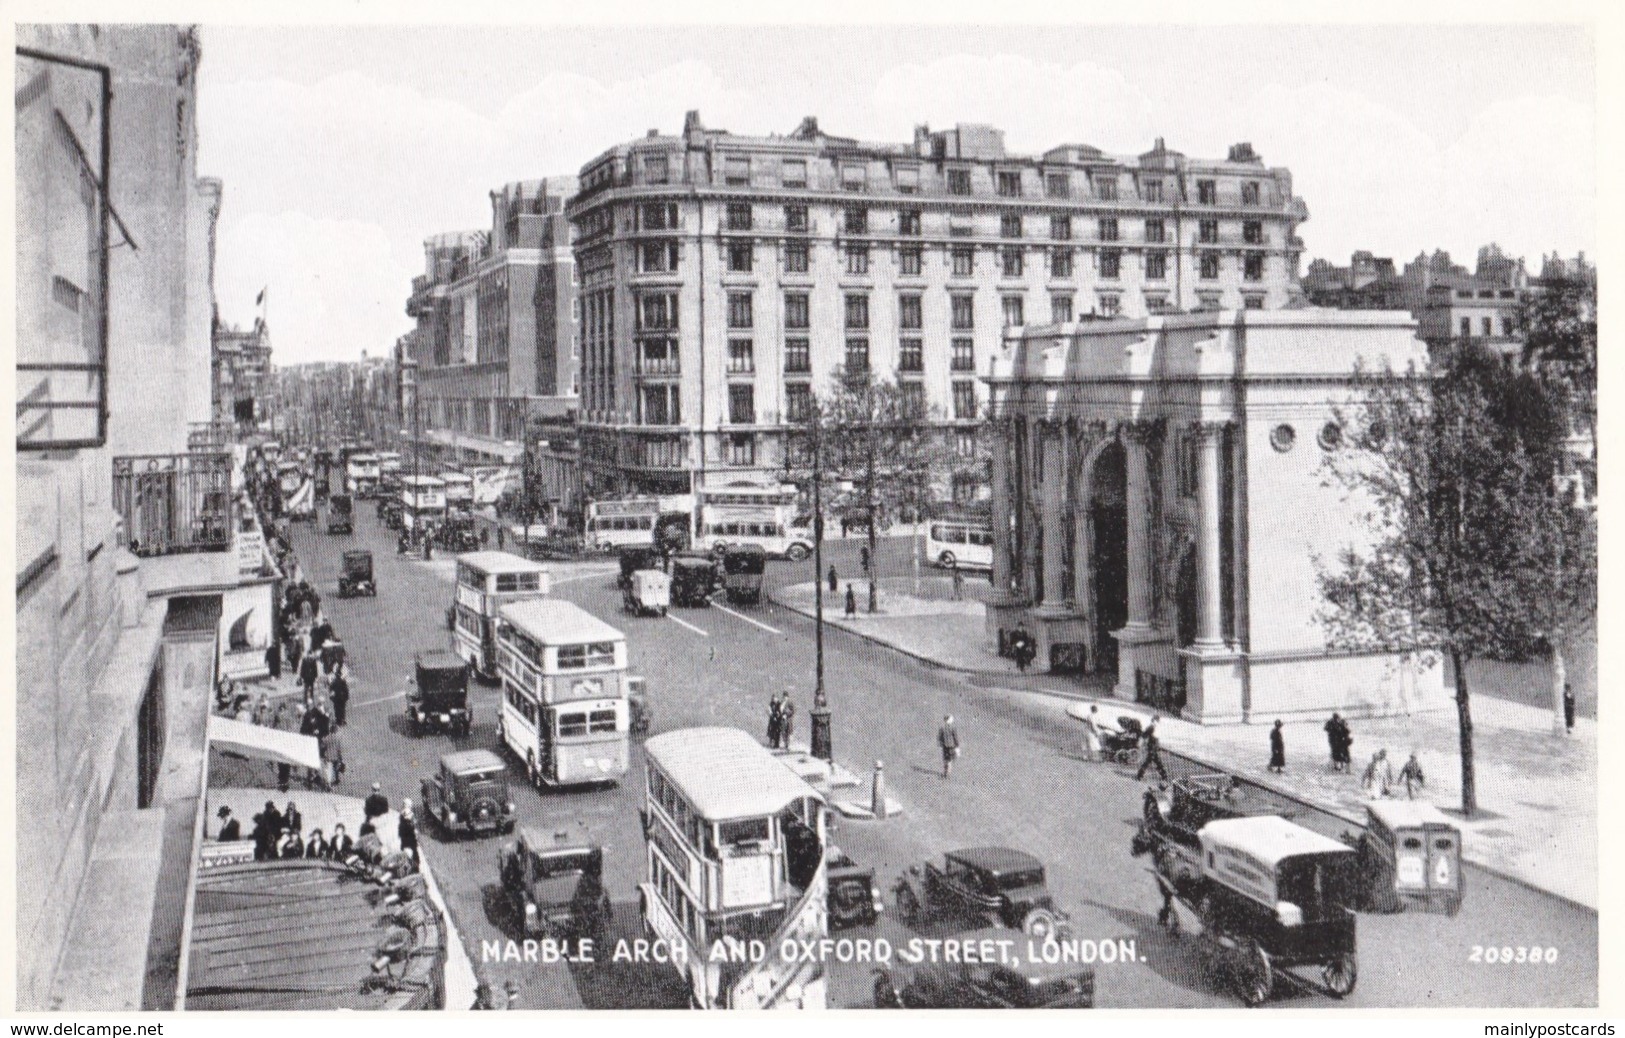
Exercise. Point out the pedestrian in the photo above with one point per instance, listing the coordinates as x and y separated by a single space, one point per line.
333 655
295 651
332 753
845 526
262 711
1091 732
834 582
407 828
1411 775
1568 708
230 831
428 547
273 660
1336 740
775 721
502 538
863 558
316 846
851 601
1277 749
1153 751
292 820
376 803
308 670
787 720
1378 779
338 690
948 743
958 576
1021 648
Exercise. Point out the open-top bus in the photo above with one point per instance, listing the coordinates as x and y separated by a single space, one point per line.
423 502
736 846
564 705
746 513
960 543
487 581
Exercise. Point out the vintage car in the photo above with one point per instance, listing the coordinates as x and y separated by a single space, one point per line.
852 899
996 885
469 794
635 557
693 580
1268 896
649 593
355 575
557 891
1409 857
390 512
1004 982
742 569
438 699
340 514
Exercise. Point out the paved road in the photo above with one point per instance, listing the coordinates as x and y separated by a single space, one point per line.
1020 782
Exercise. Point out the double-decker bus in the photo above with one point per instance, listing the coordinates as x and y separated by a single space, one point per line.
965 543
746 513
423 502
487 581
611 524
459 489
736 854
564 696
361 474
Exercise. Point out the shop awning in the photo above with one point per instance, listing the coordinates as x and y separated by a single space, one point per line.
261 743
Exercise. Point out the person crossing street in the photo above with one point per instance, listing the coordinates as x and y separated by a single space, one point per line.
948 743
1153 751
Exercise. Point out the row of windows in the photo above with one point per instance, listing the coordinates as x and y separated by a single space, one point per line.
571 723
742 171
1509 327
962 259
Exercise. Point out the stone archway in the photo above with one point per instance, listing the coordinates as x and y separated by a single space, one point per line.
1108 552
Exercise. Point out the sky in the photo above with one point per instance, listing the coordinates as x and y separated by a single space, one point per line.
343 147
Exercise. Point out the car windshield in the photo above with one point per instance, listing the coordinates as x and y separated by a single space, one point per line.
472 777
1022 878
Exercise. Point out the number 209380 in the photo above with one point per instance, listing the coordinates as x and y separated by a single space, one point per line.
1505 955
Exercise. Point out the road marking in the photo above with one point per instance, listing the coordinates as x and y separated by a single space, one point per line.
685 623
373 702
742 616
581 576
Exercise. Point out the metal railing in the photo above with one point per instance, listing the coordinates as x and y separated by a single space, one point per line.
174 503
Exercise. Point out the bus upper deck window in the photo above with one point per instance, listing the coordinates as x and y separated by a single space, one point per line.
572 724
601 721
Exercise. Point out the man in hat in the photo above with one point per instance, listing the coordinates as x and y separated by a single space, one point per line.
407 830
376 803
230 831
338 690
1277 749
948 743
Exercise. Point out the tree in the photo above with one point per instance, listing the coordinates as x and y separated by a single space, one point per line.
877 435
1560 341
1453 476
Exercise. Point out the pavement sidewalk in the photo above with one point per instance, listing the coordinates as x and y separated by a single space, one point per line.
1537 818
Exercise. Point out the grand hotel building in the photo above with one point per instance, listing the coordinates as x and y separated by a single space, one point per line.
724 278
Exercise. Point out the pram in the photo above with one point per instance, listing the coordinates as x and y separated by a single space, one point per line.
1122 746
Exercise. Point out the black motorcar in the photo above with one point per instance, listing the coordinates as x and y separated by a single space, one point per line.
742 567
693 580
853 898
1017 980
340 514
438 699
997 886
557 891
355 575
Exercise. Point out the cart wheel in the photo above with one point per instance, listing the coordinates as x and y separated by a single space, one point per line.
1258 975
1340 974
908 906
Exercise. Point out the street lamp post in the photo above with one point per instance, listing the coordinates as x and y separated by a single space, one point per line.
822 742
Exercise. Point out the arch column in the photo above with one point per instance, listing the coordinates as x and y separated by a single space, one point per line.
1001 505
1136 438
1209 563
1053 514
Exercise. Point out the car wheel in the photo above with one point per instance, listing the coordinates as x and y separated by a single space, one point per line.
886 994
1341 974
1039 923
946 560
908 906
1257 974
797 553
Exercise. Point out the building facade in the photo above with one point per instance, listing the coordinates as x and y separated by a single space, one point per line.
725 278
241 362
118 640
497 326
1159 507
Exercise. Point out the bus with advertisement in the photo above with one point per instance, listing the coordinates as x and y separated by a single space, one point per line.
747 513
736 844
361 474
487 581
423 503
629 521
565 713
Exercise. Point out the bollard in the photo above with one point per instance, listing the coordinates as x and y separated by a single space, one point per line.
877 795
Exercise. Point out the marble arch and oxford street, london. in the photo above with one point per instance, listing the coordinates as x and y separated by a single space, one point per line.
833 562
